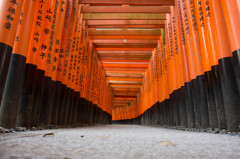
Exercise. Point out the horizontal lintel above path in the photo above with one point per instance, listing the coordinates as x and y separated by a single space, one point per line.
127 2
125 32
125 22
117 41
125 9
136 37
124 16
125 52
148 26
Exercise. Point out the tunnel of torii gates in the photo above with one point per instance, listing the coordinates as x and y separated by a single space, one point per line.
149 62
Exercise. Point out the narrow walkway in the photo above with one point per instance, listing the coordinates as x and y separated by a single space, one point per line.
118 141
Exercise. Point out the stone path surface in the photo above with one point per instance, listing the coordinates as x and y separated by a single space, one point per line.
118 141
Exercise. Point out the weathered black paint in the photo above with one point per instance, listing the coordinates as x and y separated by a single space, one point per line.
66 105
37 98
188 97
61 104
77 108
177 106
213 120
182 107
70 110
81 109
26 99
222 123
43 119
203 102
236 58
196 102
56 102
50 108
5 57
12 91
231 96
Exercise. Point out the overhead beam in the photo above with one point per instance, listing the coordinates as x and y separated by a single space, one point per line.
125 32
126 86
115 74
124 79
152 46
125 94
122 97
130 71
125 52
120 41
120 102
125 62
124 58
120 105
116 101
104 65
126 9
125 82
127 2
126 16
127 26
138 37
124 22
111 61
124 75
124 69
124 49
130 90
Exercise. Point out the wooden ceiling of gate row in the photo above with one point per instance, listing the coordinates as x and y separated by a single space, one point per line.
124 34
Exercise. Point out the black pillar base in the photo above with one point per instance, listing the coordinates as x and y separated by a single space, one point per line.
12 91
5 57
231 96
213 120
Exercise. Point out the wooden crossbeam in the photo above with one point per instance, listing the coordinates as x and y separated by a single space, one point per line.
124 94
119 105
128 26
152 46
124 79
126 16
126 86
115 41
125 82
124 22
126 9
112 61
138 37
126 74
124 49
122 97
125 52
124 58
125 32
127 2
125 65
129 90
125 62
126 55
126 71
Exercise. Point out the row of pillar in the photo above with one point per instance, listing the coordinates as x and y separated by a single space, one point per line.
49 71
193 76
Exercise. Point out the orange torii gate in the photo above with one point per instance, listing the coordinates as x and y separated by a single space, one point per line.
164 62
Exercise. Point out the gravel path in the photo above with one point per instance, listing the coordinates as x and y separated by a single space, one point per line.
118 141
